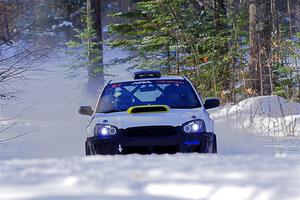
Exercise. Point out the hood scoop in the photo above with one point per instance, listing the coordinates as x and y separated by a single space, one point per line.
148 109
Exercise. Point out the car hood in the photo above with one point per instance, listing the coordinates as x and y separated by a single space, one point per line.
175 117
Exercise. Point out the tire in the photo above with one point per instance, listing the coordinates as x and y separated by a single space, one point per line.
87 148
211 145
215 149
108 149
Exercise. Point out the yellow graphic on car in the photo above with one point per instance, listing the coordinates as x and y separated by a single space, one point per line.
148 109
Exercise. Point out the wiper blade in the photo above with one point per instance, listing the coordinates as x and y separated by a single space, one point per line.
185 107
113 111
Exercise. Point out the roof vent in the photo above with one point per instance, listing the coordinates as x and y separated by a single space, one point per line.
146 74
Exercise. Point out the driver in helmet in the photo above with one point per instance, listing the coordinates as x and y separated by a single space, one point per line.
124 100
170 96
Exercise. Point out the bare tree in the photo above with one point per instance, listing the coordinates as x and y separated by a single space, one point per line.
16 58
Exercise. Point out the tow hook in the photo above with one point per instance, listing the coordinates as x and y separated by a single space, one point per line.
120 148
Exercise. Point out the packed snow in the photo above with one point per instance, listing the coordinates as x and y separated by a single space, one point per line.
258 145
180 176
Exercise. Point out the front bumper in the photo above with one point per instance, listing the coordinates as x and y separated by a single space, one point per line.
123 144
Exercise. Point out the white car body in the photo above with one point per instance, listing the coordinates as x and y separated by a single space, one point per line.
176 118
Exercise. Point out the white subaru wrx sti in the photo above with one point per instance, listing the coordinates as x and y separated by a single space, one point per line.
150 114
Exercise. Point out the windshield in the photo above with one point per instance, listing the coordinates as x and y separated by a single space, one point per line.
121 96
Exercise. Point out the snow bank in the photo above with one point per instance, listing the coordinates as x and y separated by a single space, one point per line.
264 116
180 176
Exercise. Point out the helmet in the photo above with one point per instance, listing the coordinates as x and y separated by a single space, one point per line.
170 89
124 100
171 95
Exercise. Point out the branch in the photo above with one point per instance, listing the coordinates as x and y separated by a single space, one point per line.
20 115
12 138
8 40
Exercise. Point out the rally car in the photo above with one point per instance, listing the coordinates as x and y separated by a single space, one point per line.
150 114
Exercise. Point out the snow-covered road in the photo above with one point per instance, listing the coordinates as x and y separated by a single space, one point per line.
180 176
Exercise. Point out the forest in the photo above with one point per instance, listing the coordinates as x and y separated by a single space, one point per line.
231 49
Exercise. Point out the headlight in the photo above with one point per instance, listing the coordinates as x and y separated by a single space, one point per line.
195 126
105 130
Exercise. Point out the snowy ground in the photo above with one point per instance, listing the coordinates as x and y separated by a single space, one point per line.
262 116
178 176
261 125
48 163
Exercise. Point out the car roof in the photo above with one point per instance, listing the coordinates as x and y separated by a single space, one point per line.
147 79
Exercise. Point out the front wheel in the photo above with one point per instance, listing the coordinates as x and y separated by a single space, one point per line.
212 145
215 149
87 148
100 149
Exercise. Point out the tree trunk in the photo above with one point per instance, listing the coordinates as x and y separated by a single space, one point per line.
294 25
260 30
4 24
290 17
95 69
275 22
226 72
220 13
297 20
236 5
124 5
297 15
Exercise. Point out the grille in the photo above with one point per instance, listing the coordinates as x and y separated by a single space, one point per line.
148 131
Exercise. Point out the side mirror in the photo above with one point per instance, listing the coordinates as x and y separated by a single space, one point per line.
85 110
211 103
